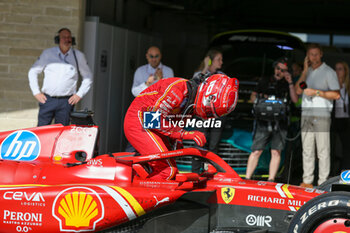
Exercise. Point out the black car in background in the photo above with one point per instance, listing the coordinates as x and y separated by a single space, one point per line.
248 56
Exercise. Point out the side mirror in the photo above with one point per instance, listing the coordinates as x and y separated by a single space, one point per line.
80 156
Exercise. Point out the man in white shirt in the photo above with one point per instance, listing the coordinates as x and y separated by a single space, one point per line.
150 73
62 66
317 103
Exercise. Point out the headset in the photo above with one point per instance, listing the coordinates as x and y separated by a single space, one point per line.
57 37
57 41
211 54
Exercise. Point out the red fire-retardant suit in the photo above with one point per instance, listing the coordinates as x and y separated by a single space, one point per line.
166 95
215 97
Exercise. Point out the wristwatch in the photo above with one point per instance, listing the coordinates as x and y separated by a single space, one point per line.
317 93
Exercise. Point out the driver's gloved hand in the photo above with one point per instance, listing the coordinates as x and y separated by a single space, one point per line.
196 136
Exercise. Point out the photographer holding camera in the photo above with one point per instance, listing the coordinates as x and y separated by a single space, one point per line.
271 99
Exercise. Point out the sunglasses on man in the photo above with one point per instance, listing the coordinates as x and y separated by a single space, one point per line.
153 56
279 68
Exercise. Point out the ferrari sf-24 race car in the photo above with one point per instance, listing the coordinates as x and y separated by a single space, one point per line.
52 181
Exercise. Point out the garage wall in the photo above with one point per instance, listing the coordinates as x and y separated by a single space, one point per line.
185 40
184 36
113 53
26 28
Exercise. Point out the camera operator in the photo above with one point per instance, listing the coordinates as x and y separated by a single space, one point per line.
277 91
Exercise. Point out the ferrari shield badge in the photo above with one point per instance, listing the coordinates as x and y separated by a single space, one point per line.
227 194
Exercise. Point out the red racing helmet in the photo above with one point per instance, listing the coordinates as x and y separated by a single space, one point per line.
216 96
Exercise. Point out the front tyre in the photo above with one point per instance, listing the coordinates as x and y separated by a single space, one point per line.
326 213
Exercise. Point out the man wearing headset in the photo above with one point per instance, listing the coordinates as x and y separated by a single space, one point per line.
61 66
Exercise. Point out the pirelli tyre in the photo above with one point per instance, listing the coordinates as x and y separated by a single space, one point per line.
326 213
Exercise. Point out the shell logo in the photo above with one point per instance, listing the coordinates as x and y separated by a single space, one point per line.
78 209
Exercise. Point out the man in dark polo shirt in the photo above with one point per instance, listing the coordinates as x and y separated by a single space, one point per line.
276 89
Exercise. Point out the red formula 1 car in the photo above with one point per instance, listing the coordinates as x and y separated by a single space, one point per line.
51 181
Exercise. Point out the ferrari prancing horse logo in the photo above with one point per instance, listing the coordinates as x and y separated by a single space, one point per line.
227 194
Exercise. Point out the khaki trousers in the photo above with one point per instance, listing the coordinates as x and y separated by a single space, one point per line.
315 130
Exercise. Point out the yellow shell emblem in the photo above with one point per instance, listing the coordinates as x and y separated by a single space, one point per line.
78 209
227 194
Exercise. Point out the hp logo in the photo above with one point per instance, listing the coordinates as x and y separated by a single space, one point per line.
21 146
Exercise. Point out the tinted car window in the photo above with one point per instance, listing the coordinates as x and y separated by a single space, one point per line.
249 55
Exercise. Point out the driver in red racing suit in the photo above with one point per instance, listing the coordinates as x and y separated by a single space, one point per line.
214 97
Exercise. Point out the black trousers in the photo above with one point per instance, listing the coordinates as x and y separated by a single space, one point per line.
56 108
